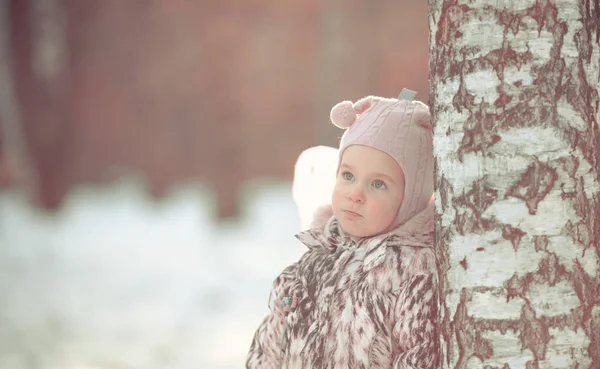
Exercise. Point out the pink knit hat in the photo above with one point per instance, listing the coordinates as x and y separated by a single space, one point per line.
399 128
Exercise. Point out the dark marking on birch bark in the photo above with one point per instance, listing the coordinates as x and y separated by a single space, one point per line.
549 77
551 269
569 165
479 132
483 348
510 21
584 98
587 230
534 185
444 188
545 14
532 365
463 263
503 98
505 366
534 334
480 197
501 325
588 291
470 342
592 326
477 200
567 195
520 115
447 331
513 235
462 98
442 239
464 223
464 335
570 321
515 287
446 27
591 25
540 243
506 56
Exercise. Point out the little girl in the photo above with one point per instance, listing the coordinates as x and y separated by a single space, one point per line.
364 295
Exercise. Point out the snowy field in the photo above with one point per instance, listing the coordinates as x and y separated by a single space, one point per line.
116 281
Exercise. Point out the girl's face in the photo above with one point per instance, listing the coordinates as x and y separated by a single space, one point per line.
368 192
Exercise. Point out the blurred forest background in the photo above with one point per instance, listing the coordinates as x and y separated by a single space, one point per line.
146 157
179 90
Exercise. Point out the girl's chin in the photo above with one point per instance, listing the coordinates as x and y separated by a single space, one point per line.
352 230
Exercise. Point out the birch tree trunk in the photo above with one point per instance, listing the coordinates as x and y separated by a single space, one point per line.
515 100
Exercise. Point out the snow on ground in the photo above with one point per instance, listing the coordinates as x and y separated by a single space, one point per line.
115 280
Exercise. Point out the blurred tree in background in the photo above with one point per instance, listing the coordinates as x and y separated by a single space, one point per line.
173 90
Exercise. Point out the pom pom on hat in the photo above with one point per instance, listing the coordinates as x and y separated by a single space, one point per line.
363 104
343 114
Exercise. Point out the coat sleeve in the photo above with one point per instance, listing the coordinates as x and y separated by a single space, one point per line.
415 330
265 350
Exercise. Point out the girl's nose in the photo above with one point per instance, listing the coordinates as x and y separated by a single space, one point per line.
357 195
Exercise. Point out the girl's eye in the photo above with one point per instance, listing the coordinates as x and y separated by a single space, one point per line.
348 176
379 184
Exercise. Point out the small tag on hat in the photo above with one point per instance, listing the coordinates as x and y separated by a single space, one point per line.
407 94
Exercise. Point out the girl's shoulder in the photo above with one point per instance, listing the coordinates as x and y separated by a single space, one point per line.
408 260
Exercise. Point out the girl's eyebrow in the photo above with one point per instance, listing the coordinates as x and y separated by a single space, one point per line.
376 174
385 176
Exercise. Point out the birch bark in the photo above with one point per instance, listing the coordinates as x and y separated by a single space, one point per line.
515 100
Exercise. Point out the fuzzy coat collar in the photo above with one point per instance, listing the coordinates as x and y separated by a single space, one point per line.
326 233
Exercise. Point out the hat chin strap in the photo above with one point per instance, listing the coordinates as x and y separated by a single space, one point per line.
397 221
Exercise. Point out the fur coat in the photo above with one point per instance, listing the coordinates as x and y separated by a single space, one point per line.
367 303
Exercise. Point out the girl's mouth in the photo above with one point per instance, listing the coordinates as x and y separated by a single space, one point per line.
352 214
